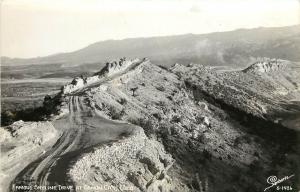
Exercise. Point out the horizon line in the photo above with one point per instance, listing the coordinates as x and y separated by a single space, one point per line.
142 37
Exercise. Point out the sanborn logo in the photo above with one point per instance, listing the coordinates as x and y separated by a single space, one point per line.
273 181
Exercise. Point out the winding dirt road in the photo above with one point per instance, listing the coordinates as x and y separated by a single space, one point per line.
81 130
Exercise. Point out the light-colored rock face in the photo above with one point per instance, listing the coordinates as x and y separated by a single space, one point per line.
180 109
260 94
111 69
267 66
161 99
76 84
23 132
115 67
21 143
135 163
192 129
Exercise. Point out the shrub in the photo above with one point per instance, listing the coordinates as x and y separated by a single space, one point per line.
161 104
122 101
207 154
157 116
7 118
237 141
176 119
147 124
242 139
29 114
116 115
170 98
163 67
160 88
134 89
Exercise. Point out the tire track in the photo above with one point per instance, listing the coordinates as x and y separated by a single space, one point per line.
37 173
82 130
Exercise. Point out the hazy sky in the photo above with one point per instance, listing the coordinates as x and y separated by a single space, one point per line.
31 28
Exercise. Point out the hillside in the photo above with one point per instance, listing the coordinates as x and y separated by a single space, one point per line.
135 125
236 48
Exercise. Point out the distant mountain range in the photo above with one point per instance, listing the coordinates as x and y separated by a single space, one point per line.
235 48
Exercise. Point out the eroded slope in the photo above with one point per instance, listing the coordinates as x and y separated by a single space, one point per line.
185 129
209 144
21 143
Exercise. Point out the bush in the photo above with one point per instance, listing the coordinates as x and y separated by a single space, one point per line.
33 114
122 101
163 67
237 141
157 116
161 104
170 98
206 154
7 118
134 89
242 139
160 88
116 115
29 114
147 124
176 119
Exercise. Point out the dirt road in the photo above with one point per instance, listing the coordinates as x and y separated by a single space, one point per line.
82 130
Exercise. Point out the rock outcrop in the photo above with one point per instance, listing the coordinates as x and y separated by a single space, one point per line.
266 66
21 143
135 163
111 69
197 114
115 67
260 94
179 108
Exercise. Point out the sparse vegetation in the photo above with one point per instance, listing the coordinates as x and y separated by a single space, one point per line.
148 125
242 139
115 114
157 116
32 114
122 101
176 119
206 154
163 67
229 128
134 89
161 88
161 103
170 98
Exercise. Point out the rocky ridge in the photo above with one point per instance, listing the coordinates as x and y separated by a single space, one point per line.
197 129
110 69
263 95
266 66
181 109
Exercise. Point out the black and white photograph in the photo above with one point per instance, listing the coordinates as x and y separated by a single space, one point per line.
150 96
